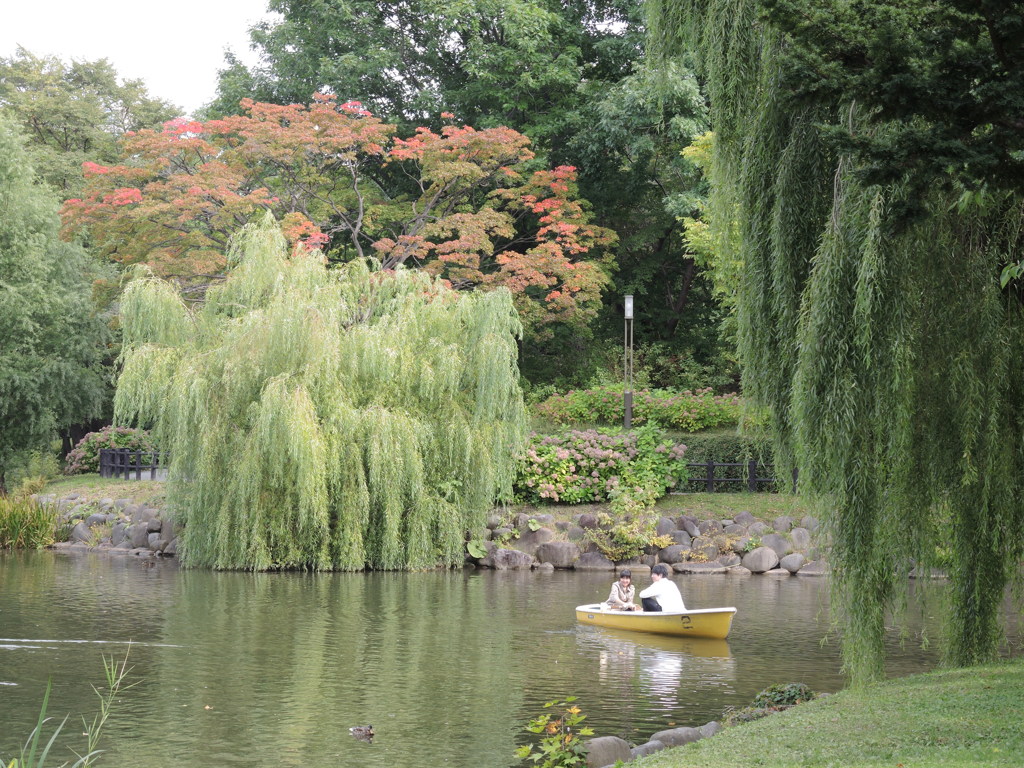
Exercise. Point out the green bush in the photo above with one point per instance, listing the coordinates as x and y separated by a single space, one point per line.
689 411
86 455
587 466
25 524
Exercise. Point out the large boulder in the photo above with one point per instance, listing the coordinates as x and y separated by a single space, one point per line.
782 524
801 538
606 750
649 748
673 554
757 528
593 561
587 520
575 533
744 518
117 533
735 528
710 729
777 542
816 568
737 570
561 554
137 535
792 563
705 548
681 537
676 737
511 560
529 540
81 532
154 525
760 560
690 526
665 526
729 559
711 527
171 548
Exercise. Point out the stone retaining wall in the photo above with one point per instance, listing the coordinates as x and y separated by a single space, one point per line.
739 547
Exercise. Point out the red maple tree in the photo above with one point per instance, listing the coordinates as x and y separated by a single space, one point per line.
461 203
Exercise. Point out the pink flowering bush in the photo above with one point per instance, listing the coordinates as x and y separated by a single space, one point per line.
587 466
86 455
688 410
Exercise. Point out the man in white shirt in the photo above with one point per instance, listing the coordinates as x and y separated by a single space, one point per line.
663 594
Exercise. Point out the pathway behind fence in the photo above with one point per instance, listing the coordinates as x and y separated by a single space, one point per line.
131 464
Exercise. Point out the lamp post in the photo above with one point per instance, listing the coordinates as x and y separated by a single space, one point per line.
627 396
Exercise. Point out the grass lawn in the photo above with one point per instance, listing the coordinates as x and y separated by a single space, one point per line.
92 487
963 717
724 506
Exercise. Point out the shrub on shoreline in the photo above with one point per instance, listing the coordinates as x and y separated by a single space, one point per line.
688 410
582 466
86 455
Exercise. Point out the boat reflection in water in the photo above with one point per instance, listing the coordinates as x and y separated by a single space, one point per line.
668 669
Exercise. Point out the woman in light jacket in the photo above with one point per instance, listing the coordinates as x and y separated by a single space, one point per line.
623 591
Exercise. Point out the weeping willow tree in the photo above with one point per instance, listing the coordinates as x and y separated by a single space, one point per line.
324 418
873 324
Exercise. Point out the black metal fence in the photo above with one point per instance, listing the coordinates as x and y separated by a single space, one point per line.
131 464
753 476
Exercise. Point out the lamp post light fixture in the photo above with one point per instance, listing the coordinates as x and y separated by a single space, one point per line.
627 395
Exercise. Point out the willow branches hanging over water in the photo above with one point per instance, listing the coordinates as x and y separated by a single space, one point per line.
324 418
882 342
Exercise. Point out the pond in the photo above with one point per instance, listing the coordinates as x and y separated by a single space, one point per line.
240 669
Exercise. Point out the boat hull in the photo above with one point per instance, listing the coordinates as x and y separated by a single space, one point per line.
707 622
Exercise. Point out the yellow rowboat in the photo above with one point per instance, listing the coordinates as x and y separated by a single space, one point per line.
705 622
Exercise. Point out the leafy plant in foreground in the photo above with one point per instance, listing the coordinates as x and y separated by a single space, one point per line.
561 745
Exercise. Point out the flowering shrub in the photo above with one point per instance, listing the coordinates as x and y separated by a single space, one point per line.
687 410
86 455
584 466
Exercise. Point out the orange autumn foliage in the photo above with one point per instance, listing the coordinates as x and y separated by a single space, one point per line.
460 203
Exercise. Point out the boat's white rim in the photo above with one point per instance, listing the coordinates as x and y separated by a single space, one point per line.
601 608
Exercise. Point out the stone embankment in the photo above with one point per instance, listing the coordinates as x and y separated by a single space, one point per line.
119 525
740 546
607 751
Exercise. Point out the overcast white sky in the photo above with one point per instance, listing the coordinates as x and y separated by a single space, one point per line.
176 48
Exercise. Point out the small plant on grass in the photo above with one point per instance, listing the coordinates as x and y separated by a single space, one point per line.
773 699
561 742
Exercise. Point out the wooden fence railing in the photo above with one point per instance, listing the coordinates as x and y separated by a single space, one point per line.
749 473
126 463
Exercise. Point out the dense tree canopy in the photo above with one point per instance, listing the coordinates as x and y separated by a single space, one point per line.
325 418
571 76
73 113
51 342
857 147
460 203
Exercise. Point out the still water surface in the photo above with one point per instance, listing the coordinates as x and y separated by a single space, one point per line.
239 669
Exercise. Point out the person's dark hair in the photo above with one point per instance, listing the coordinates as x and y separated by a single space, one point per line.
661 569
625 573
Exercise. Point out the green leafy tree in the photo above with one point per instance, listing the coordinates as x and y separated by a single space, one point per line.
325 418
870 153
74 112
51 341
